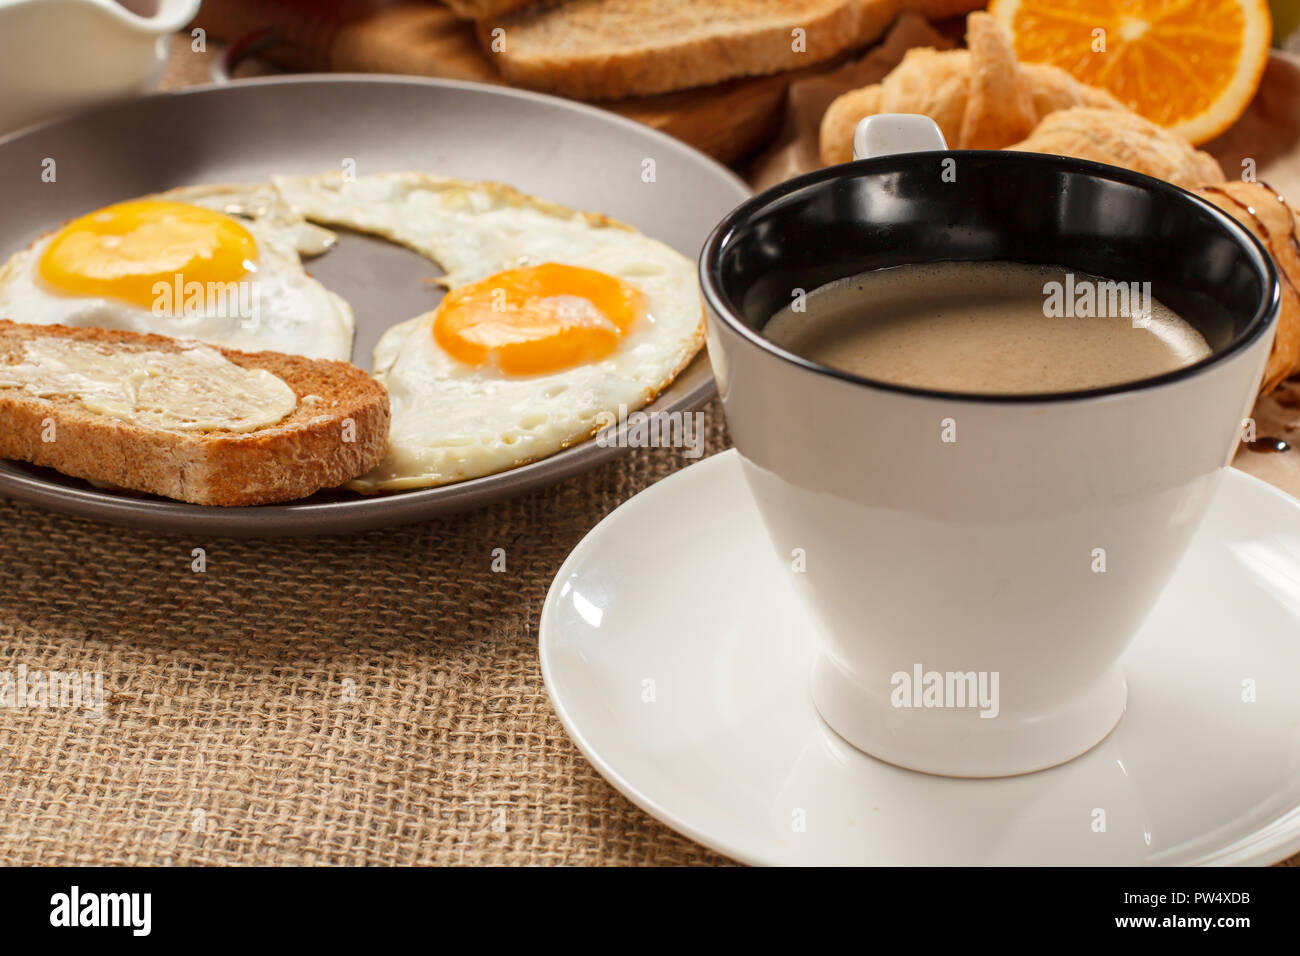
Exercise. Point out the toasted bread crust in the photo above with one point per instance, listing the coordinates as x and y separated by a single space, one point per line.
610 49
302 454
478 9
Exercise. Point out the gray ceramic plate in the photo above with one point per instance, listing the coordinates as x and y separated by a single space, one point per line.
244 132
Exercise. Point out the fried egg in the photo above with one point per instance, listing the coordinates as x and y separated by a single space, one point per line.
552 317
219 264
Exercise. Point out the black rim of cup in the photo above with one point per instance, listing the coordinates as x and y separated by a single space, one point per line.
711 281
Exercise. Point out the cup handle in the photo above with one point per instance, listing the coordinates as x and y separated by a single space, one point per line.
170 15
887 133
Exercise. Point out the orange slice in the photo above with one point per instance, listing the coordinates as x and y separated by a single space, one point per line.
1191 66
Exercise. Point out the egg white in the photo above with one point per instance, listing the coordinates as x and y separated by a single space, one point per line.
452 421
295 313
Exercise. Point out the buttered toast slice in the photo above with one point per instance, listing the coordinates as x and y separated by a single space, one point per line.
193 422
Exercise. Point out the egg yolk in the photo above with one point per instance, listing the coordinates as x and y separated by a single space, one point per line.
538 319
122 251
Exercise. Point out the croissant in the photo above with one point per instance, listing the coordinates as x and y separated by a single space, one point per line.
1122 139
1273 220
981 97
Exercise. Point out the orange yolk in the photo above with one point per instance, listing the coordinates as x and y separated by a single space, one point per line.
539 319
122 251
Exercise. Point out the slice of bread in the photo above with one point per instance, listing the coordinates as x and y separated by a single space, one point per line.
313 447
478 9
941 9
608 49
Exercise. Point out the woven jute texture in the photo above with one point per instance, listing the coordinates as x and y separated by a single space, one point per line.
365 699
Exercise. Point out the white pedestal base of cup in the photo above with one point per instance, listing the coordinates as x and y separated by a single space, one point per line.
959 743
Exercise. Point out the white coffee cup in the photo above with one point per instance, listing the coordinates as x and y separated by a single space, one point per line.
1010 546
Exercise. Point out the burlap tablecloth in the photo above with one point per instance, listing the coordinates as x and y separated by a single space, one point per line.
366 699
360 699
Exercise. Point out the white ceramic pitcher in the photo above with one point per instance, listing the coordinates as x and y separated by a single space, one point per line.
62 55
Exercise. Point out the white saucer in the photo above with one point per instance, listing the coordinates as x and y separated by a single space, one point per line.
676 656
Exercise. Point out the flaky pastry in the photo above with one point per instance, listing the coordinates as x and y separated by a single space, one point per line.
1273 220
981 97
1123 139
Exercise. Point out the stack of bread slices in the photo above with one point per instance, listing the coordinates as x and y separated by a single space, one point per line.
611 49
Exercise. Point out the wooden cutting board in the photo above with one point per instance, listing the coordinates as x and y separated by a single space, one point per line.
422 38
